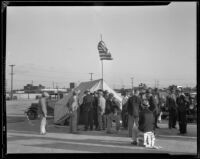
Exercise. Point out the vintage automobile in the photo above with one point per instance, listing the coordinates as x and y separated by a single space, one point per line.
32 111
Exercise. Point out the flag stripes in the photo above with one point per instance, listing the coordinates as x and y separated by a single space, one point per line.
103 51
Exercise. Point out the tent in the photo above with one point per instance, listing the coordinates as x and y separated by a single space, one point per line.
61 110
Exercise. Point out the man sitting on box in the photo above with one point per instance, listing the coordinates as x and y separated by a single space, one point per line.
145 133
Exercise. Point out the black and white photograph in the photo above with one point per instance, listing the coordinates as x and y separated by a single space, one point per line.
101 79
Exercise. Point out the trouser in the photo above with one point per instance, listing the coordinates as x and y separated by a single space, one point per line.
182 122
101 120
172 119
149 139
43 125
124 119
110 118
132 123
78 115
89 119
95 117
73 122
156 119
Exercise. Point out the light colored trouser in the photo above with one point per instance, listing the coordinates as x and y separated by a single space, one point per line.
73 122
149 139
132 127
110 118
101 120
43 125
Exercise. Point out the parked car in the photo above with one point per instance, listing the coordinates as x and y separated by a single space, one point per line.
32 111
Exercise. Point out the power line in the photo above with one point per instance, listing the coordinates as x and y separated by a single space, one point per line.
11 93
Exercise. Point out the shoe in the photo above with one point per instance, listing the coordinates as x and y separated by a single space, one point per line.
134 143
174 127
157 127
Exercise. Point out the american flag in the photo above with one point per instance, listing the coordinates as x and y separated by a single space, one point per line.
103 51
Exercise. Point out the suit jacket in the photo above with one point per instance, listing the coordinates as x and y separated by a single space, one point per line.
152 104
182 103
146 120
133 106
88 102
171 104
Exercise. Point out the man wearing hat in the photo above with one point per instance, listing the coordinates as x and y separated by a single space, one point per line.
152 103
146 126
43 112
73 104
95 111
88 102
101 109
133 107
156 96
172 108
111 111
182 106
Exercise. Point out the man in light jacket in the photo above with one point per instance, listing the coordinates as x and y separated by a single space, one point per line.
43 112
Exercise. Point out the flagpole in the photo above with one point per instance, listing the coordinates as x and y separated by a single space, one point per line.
102 72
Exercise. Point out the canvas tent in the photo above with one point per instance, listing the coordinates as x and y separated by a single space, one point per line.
61 110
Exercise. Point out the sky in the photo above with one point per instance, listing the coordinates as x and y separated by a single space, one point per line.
54 46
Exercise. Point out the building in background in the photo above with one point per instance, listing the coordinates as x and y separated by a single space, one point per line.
30 88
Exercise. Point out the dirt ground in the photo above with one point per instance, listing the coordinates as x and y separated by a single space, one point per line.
23 137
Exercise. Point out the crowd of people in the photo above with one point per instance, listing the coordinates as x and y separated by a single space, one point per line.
140 112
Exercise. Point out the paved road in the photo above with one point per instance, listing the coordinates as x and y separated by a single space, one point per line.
24 137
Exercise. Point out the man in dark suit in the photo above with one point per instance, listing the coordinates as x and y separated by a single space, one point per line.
95 113
182 108
88 102
172 108
152 103
133 106
156 96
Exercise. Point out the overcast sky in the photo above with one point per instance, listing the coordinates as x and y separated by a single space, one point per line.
59 44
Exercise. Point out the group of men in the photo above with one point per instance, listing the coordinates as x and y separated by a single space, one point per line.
101 108
177 105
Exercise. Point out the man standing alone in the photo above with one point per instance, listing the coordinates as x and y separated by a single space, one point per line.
73 105
133 106
43 112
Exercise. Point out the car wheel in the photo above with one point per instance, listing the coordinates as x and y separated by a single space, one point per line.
31 115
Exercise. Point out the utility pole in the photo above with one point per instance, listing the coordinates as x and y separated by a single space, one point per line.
132 82
53 84
11 93
91 76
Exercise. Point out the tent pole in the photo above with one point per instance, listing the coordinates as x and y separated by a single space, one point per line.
102 72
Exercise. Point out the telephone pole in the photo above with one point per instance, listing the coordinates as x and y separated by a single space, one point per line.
53 85
158 84
132 82
11 93
91 76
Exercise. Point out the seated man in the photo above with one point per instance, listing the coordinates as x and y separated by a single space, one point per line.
146 126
